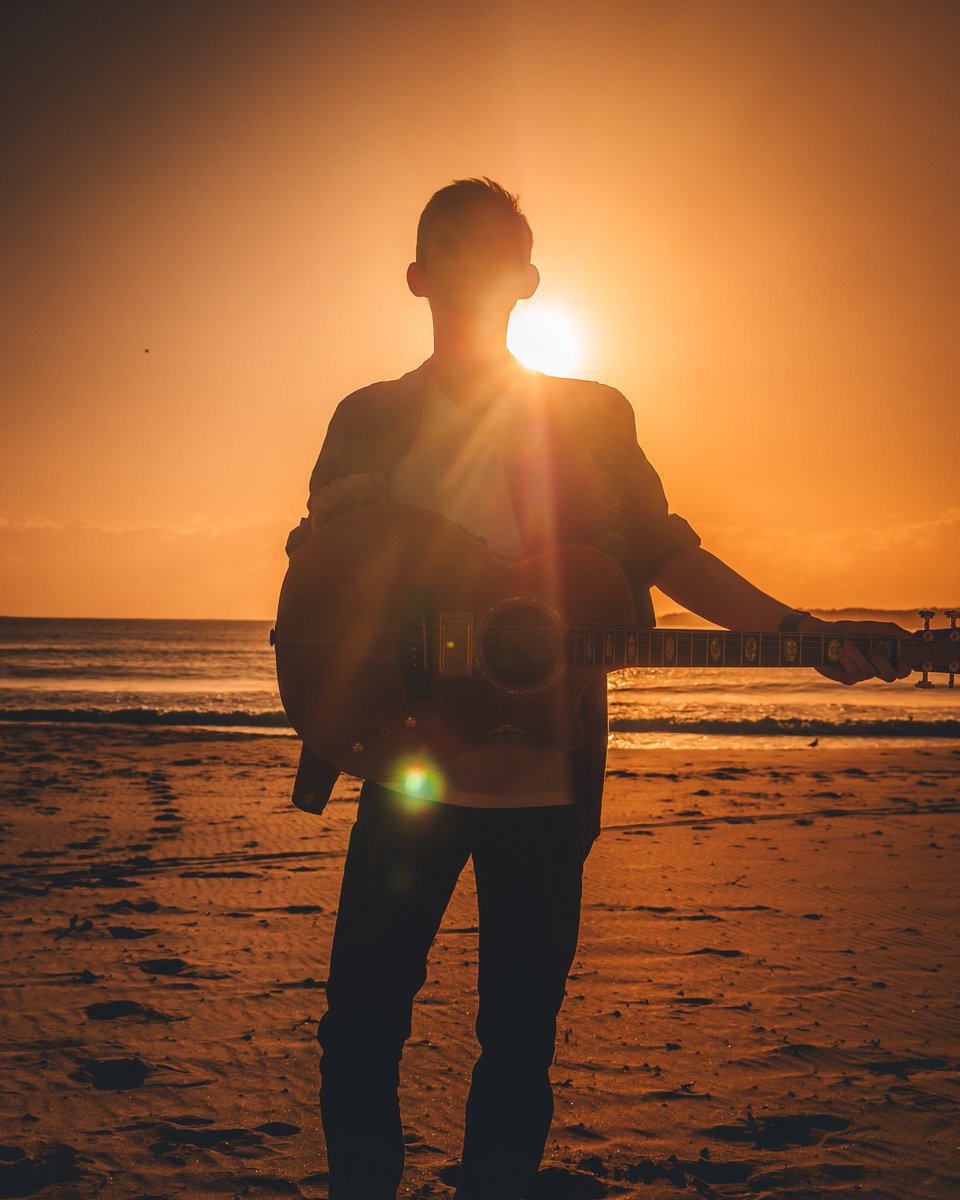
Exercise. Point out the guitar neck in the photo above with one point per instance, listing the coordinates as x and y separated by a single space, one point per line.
614 648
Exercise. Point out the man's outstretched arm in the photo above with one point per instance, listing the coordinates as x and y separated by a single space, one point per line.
704 584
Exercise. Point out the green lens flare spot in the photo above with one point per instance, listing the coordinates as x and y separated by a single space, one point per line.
418 779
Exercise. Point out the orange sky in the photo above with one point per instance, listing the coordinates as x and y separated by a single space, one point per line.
751 209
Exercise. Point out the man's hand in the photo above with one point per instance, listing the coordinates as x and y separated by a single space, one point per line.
343 495
854 665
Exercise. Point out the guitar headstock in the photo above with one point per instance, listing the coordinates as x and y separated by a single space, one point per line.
934 649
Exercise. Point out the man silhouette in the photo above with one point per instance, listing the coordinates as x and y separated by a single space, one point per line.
524 462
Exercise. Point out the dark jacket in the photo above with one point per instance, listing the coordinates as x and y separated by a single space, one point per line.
576 475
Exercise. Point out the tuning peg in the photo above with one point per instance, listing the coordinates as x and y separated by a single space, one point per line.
950 679
953 614
926 614
925 682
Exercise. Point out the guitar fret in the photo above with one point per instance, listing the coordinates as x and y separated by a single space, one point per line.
614 648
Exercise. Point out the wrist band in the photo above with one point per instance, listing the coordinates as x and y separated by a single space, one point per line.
792 620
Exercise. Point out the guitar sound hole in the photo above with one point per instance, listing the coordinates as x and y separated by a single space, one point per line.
521 646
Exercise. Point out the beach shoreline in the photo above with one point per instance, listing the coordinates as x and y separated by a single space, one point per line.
763 1002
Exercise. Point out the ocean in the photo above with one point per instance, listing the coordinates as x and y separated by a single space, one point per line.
220 674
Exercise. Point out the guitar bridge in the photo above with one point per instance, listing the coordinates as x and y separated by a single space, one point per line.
456 644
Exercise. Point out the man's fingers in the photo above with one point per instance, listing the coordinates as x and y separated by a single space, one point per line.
841 672
882 666
855 663
855 666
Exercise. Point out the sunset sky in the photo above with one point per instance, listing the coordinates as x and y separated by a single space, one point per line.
747 210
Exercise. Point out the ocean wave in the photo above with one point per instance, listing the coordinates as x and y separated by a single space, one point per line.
273 718
52 666
885 727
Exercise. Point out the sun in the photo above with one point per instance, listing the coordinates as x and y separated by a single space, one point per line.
545 338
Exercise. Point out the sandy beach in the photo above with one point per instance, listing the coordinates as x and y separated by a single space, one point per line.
764 1004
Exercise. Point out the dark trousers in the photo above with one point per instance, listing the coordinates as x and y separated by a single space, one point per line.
402 865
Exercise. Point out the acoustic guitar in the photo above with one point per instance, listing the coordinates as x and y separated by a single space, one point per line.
402 640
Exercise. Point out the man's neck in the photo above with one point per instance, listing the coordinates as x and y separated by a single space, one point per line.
470 362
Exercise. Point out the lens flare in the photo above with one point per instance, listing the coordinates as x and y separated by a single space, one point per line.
414 780
418 779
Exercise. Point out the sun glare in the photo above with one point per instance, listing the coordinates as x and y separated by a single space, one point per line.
545 338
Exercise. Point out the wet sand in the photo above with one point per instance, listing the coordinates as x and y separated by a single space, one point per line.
764 1004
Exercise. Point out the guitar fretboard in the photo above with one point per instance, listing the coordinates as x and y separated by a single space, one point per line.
616 648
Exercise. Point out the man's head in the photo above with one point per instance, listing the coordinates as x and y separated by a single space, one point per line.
473 248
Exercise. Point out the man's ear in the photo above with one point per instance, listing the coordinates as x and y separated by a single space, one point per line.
529 282
415 280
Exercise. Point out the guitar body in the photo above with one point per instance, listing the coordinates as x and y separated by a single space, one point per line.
401 639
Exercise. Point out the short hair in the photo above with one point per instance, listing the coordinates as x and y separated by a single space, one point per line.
464 194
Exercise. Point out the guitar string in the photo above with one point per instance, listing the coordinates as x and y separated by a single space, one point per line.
501 649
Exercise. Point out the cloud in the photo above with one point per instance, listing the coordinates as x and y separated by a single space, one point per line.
894 566
80 568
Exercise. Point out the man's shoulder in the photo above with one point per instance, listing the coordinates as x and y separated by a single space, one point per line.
585 400
371 426
384 394
562 388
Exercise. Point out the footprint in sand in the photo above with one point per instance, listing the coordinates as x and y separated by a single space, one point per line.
278 1129
112 1010
75 926
85 976
561 1183
582 1130
127 934
775 1133
162 966
112 1074
21 1175
709 1172
239 1143
130 906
